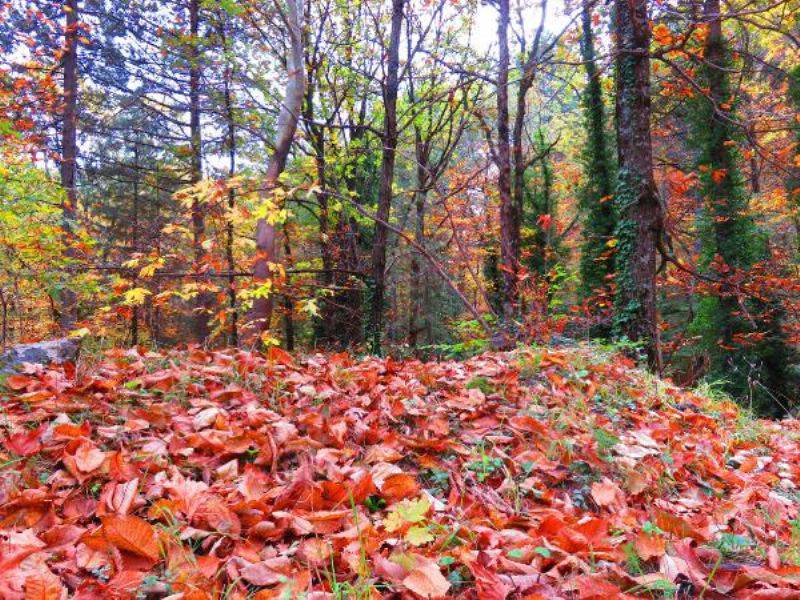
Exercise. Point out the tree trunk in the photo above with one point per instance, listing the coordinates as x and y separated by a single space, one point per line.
260 314
68 300
390 89
288 303
509 223
316 134
202 302
135 238
641 218
519 164
597 260
233 336
418 318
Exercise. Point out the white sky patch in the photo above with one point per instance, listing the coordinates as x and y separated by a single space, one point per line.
485 34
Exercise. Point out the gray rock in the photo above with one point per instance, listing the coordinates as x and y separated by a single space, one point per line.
43 353
560 341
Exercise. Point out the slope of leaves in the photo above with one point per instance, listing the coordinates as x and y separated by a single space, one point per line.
536 474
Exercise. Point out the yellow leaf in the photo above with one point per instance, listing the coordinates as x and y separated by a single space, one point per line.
136 296
407 511
418 535
310 306
148 271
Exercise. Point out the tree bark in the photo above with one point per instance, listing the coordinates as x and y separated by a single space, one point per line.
260 314
234 315
597 260
509 222
316 134
418 288
203 300
68 299
641 218
135 238
390 90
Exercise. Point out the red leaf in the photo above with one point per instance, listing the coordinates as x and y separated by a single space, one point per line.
17 382
25 444
596 587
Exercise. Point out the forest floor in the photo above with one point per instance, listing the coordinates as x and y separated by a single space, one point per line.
536 474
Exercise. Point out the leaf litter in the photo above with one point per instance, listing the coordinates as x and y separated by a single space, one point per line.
537 474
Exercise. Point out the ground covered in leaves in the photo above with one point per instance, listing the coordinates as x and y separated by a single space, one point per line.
536 474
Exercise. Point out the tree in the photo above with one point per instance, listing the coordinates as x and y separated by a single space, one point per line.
69 156
731 243
640 214
260 313
793 183
203 299
385 192
509 219
599 223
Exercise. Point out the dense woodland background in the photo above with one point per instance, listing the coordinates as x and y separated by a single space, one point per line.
429 177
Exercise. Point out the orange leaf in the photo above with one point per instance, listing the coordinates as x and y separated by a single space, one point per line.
749 464
648 546
132 534
677 526
88 458
280 356
399 486
17 382
591 587
41 587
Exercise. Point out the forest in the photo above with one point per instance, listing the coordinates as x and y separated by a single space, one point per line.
400 298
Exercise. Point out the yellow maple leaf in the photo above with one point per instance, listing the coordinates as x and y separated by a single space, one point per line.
418 535
136 296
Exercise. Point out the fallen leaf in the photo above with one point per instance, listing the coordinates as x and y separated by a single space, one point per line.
130 533
605 492
426 580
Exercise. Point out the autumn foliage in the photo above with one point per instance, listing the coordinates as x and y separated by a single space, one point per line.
535 474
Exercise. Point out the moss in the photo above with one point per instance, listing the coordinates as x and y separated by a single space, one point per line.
597 260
